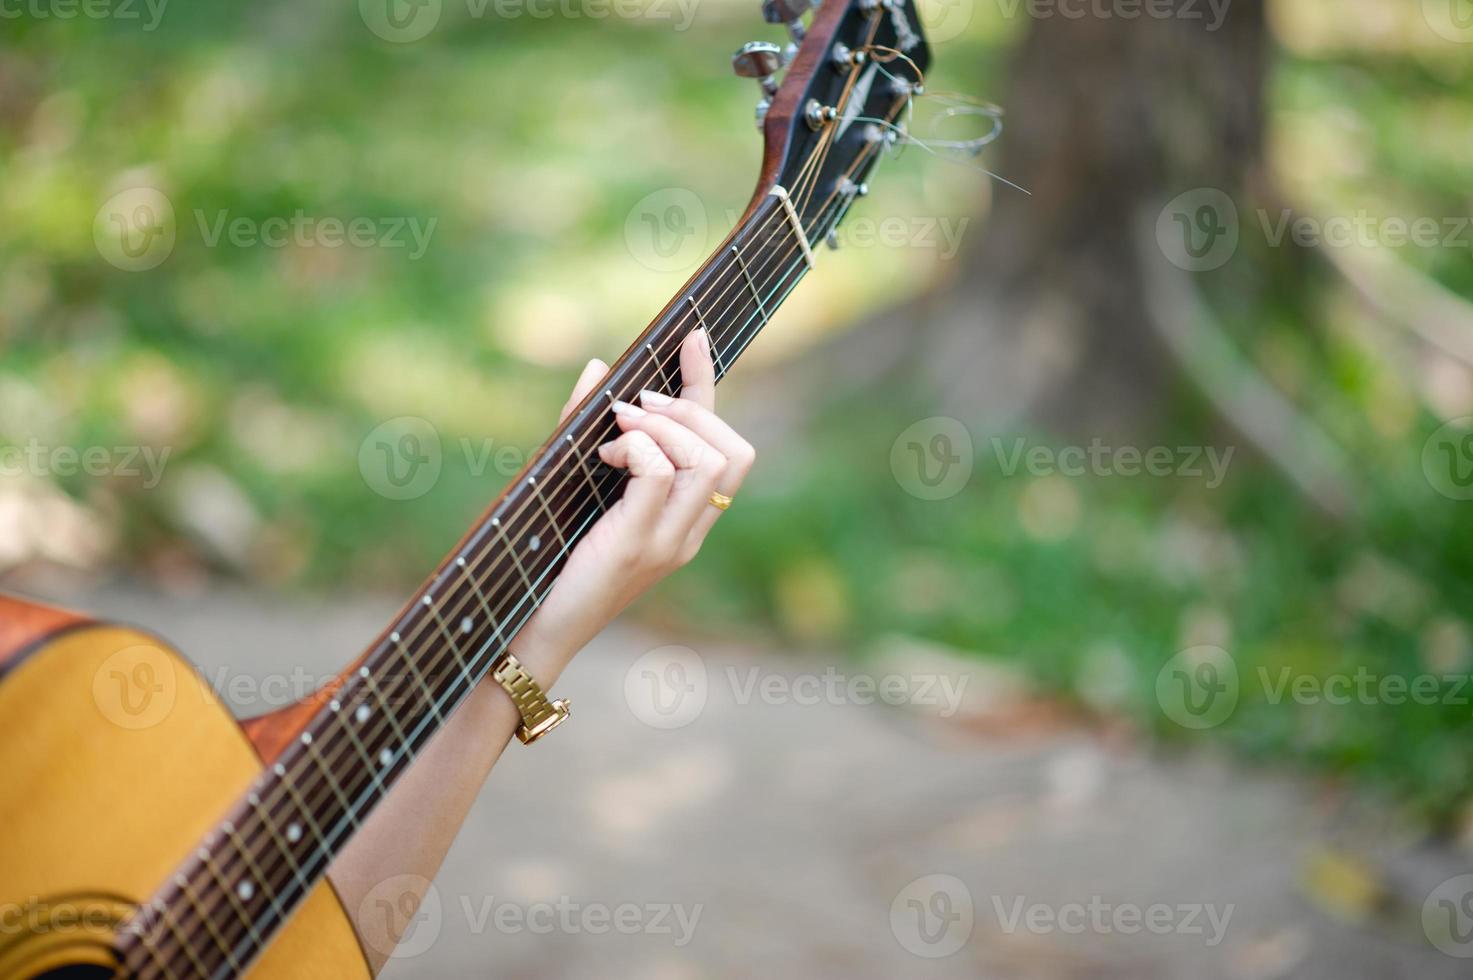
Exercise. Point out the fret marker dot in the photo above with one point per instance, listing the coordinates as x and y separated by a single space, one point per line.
306 738
394 636
467 624
363 672
333 705
460 562
534 542
279 769
428 601
245 890
362 713
386 758
253 799
294 832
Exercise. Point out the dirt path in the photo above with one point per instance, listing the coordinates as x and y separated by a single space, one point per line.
727 814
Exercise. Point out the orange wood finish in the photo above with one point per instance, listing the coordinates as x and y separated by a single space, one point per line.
118 759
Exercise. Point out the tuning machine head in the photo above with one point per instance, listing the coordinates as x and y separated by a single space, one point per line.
761 60
789 13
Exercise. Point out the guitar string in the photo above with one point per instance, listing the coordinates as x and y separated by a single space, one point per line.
737 331
496 561
388 695
325 853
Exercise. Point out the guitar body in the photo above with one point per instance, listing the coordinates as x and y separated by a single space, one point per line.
118 759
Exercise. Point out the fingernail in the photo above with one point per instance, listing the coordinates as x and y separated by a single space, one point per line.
624 408
654 398
705 340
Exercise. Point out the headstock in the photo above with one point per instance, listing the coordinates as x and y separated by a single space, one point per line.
850 77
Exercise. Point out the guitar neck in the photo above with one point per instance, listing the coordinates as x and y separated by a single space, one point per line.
224 905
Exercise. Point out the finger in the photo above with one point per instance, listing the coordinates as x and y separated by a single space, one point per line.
713 429
697 373
698 465
593 372
650 476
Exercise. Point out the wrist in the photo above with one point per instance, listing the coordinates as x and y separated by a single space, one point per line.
540 653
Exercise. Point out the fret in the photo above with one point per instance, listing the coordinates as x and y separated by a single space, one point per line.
660 371
702 319
262 883
511 550
467 624
209 921
234 897
332 783
139 931
293 832
335 707
414 671
751 284
556 528
361 713
587 473
275 832
182 942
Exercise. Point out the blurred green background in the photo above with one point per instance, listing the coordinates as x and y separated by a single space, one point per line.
530 142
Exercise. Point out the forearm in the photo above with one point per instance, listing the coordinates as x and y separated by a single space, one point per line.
401 845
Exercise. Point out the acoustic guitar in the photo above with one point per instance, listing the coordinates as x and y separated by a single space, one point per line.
145 832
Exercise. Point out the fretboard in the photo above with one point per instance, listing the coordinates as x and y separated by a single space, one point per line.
221 908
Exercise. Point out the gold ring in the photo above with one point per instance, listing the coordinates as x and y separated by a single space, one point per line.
720 500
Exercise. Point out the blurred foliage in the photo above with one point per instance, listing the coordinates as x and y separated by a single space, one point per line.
528 141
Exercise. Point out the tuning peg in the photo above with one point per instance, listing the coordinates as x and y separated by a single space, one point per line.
789 13
761 60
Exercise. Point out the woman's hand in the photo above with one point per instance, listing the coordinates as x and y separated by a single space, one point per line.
677 451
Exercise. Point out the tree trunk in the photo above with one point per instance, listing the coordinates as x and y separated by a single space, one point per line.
1108 119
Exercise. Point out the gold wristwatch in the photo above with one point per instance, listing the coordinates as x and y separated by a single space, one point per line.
539 715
